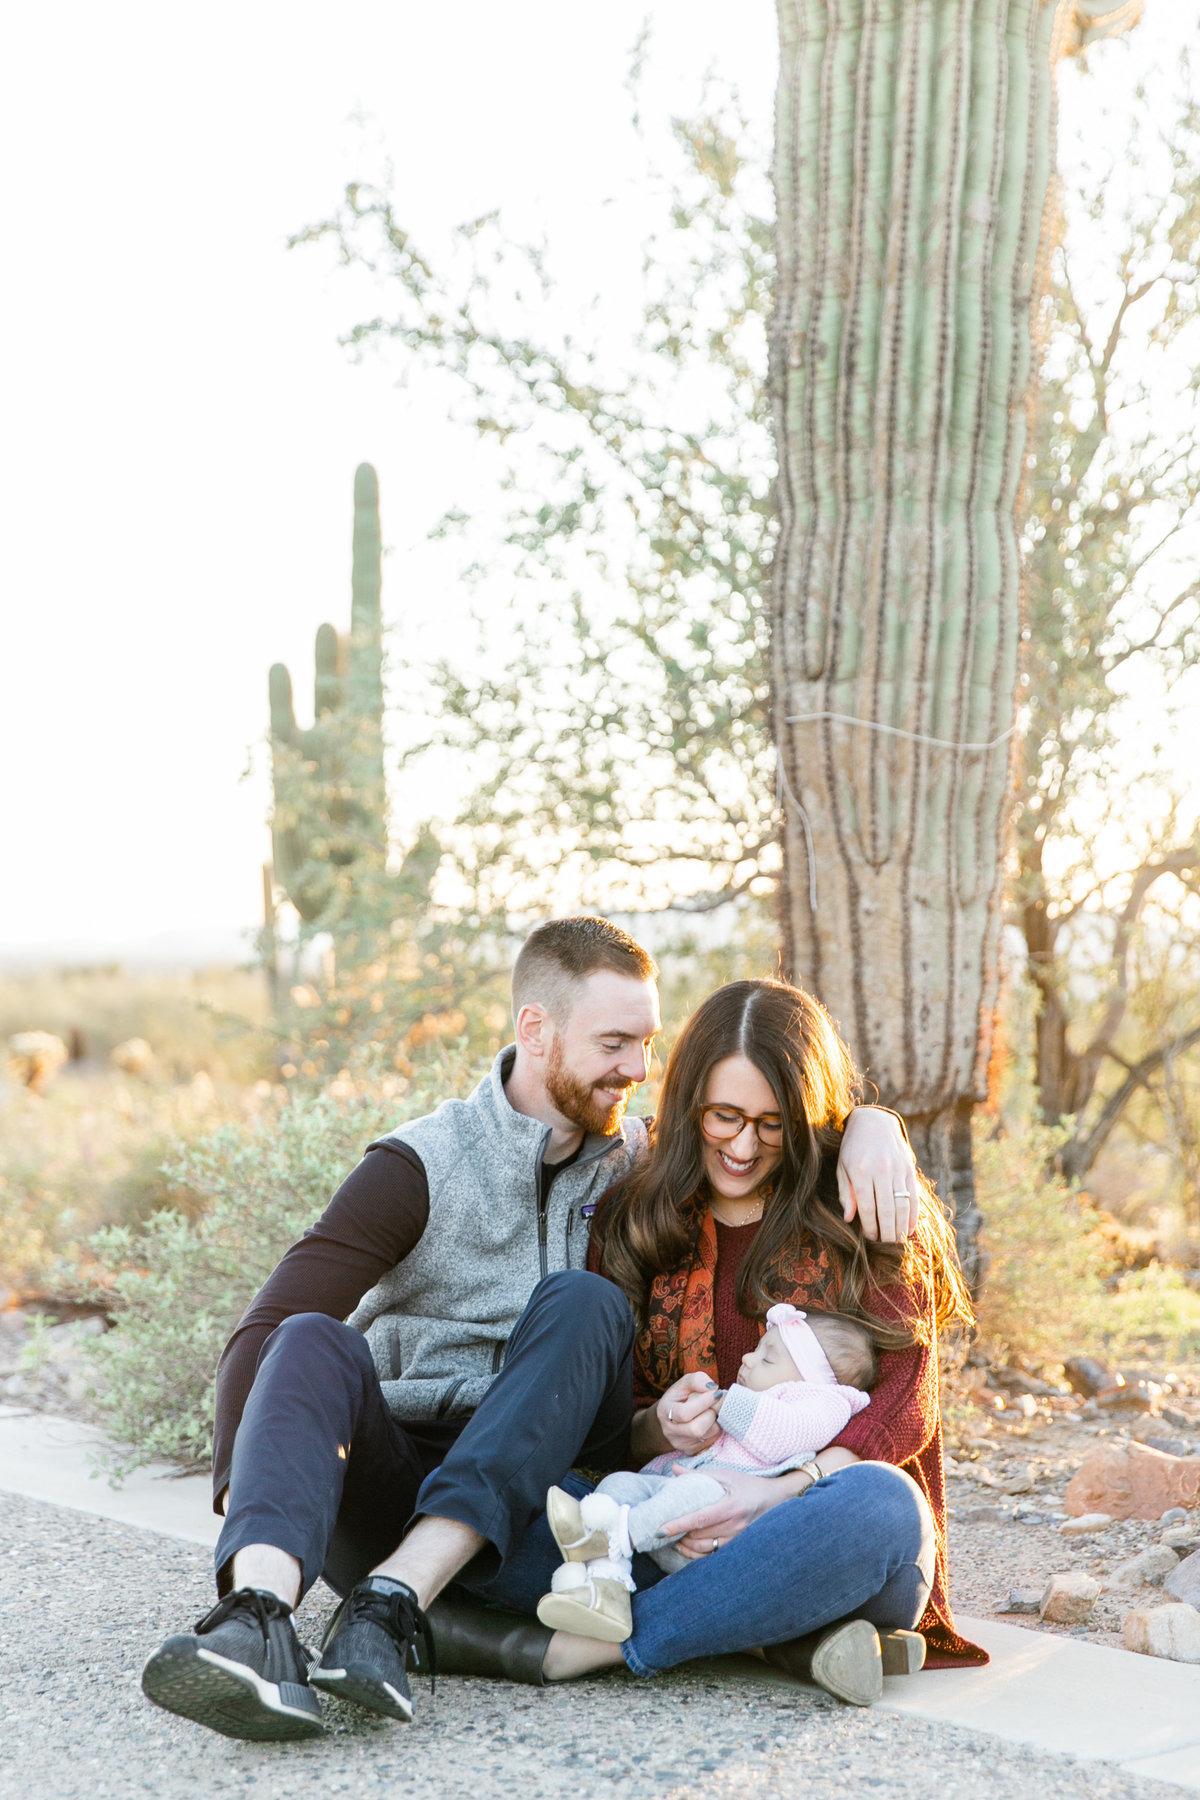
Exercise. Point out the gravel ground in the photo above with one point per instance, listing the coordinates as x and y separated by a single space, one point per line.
83 1601
988 1558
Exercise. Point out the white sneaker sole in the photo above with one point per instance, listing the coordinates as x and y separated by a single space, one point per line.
364 1688
227 1696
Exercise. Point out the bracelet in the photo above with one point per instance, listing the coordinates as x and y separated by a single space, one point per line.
813 1470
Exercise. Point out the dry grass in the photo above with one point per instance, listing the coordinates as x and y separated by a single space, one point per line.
88 1152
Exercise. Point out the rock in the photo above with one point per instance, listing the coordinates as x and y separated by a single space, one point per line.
1129 1396
1017 1382
1172 1416
1168 1445
1086 1376
133 1057
1023 1600
1183 1539
987 1398
1170 1631
1174 1515
1020 1481
988 1515
1088 1523
34 1058
1029 1515
1131 1481
1183 1581
1149 1567
1069 1599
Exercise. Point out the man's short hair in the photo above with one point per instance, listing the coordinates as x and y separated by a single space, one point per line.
558 955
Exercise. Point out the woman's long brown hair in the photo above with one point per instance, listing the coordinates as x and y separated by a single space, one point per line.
651 1224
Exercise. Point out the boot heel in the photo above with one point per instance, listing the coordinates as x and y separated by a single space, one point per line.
903 1652
843 1659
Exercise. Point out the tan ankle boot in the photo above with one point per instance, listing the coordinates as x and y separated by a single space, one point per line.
850 1661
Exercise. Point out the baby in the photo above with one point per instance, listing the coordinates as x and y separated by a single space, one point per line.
809 1374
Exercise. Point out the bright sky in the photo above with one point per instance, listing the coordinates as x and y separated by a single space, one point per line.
182 426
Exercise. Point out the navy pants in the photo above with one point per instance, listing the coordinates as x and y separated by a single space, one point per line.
323 1471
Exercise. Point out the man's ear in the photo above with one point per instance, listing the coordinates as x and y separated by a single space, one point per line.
535 1029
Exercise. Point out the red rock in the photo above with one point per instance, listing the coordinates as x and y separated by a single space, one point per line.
1131 1481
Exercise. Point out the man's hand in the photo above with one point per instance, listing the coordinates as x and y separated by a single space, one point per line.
747 1497
877 1177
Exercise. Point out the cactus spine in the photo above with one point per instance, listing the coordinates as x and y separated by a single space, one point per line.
329 824
914 158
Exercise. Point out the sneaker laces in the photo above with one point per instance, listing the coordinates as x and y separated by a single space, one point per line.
261 1606
399 1615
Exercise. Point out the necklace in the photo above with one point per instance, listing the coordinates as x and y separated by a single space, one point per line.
750 1218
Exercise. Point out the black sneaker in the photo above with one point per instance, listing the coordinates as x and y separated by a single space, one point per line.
243 1673
366 1651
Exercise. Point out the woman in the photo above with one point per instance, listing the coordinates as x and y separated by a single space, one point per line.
736 1208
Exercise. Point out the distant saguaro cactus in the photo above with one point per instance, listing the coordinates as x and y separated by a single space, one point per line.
330 797
914 160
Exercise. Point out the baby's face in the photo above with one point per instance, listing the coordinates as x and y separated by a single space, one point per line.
768 1364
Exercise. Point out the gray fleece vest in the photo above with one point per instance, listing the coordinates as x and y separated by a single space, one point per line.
437 1323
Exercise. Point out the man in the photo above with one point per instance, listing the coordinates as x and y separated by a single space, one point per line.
414 1444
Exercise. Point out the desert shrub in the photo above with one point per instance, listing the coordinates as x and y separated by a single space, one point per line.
179 1281
1151 1314
1043 1291
88 1154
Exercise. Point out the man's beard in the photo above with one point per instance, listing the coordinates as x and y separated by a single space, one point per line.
579 1102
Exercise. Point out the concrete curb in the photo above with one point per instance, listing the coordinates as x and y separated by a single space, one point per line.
1047 1692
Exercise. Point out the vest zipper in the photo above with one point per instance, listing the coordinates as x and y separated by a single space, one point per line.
543 1253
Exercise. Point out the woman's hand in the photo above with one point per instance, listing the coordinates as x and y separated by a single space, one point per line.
747 1497
687 1414
684 1420
877 1177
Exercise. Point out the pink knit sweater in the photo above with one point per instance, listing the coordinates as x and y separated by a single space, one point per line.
772 1430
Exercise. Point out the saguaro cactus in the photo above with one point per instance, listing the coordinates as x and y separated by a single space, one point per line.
914 156
330 801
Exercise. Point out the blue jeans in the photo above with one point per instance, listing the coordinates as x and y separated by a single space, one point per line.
858 1545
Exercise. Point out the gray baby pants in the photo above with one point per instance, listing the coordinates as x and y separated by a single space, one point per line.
652 1500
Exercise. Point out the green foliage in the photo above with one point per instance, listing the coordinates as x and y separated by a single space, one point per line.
1042 1294
179 1284
329 819
1152 1314
1107 852
1051 1289
618 732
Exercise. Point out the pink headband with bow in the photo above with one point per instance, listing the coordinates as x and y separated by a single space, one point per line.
800 1342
